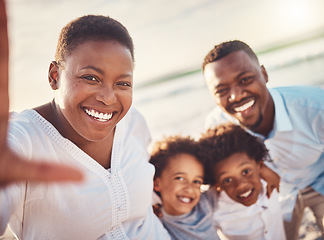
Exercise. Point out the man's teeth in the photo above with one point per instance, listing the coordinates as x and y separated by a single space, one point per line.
244 195
244 106
103 117
185 199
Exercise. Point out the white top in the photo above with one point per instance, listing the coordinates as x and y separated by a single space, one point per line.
109 204
260 221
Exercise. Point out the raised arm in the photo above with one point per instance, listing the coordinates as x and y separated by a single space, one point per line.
272 179
12 167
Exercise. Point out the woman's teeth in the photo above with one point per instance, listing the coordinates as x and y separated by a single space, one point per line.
102 117
244 106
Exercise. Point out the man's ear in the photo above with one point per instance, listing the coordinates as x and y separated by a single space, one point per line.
53 74
264 72
157 184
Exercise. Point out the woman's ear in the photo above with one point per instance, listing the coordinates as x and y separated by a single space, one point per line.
53 75
157 185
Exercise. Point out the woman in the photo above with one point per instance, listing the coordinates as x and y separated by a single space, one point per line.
89 124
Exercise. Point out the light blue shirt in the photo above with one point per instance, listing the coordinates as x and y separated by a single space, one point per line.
296 143
196 225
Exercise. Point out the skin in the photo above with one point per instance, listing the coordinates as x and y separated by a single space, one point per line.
238 85
12 167
179 184
97 77
238 175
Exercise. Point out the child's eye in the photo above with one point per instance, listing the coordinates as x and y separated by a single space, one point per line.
227 180
90 78
179 178
198 182
246 171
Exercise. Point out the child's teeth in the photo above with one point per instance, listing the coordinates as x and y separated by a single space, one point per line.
184 199
244 195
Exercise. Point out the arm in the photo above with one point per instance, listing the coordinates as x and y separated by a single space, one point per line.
12 167
272 178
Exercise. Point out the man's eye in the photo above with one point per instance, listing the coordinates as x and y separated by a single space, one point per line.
221 91
246 80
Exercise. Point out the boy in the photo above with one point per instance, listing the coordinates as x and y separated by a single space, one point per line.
236 162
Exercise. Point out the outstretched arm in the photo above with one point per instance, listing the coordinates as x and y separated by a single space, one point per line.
272 178
12 167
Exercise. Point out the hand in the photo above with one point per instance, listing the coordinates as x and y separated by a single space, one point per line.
12 167
271 177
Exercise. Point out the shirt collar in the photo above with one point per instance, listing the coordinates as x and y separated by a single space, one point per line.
282 122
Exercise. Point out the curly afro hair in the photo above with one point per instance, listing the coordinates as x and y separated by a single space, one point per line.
170 147
221 142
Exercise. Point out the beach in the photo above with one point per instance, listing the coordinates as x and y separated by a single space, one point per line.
169 48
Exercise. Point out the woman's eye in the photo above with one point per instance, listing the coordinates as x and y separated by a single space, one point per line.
124 84
90 78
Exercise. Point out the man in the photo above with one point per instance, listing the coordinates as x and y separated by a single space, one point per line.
289 119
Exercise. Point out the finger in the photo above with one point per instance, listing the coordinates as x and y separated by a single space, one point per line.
269 190
4 60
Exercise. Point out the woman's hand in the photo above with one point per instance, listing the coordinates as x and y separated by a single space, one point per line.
12 167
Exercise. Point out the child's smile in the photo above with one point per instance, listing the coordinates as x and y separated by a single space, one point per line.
179 184
238 175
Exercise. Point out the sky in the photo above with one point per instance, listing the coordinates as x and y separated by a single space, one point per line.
170 36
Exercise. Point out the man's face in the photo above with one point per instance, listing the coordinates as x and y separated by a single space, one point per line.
238 85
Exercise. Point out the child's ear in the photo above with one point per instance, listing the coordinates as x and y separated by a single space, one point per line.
157 185
218 187
260 165
53 75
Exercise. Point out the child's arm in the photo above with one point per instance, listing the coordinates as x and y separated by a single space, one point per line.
272 178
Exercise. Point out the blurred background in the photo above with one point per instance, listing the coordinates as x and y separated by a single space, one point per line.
171 39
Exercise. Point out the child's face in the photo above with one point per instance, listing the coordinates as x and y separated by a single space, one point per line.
93 89
179 184
238 175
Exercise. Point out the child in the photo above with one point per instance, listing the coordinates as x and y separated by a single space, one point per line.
90 124
180 172
236 161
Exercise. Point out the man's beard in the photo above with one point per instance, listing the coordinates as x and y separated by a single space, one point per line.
254 126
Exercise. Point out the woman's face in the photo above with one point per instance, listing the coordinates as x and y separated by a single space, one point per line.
93 89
